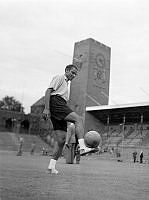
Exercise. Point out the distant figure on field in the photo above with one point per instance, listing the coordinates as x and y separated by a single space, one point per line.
134 154
33 147
20 149
141 156
70 136
71 143
18 126
141 130
43 151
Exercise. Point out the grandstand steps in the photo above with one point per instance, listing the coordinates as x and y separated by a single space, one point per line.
133 139
10 141
137 140
114 140
134 142
132 135
128 142
145 140
125 142
6 142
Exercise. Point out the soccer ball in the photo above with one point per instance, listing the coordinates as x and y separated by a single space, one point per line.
92 139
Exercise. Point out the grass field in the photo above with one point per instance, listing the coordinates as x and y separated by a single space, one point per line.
25 178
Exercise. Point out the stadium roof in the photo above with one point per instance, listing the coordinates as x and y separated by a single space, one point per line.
116 113
106 107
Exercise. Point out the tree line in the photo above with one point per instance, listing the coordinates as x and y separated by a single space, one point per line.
11 104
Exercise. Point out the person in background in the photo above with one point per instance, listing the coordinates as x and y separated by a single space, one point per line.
71 143
134 154
141 156
33 147
20 149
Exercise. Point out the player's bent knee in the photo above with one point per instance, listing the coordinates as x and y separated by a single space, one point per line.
73 117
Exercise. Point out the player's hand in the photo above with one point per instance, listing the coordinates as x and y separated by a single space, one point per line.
65 146
46 113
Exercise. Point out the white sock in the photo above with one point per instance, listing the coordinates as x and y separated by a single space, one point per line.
81 143
52 164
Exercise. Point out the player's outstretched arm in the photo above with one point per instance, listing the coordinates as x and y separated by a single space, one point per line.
46 111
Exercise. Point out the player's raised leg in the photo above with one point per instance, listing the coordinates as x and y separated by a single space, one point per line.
78 121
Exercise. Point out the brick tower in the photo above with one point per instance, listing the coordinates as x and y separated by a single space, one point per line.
91 86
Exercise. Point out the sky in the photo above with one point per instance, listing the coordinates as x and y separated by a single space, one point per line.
37 40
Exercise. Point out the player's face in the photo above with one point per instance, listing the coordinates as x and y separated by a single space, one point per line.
70 74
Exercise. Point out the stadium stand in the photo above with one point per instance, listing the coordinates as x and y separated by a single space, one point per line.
9 141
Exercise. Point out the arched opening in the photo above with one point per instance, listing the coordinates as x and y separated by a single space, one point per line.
25 125
8 123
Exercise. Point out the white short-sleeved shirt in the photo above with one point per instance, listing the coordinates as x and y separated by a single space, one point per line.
59 84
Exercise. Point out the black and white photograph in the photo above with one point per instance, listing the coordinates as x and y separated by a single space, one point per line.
74 100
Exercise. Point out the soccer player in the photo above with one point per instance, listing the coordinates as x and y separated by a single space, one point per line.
56 108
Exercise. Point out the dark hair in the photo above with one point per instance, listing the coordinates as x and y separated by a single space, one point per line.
69 67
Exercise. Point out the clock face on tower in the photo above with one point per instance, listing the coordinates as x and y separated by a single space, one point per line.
100 60
99 69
